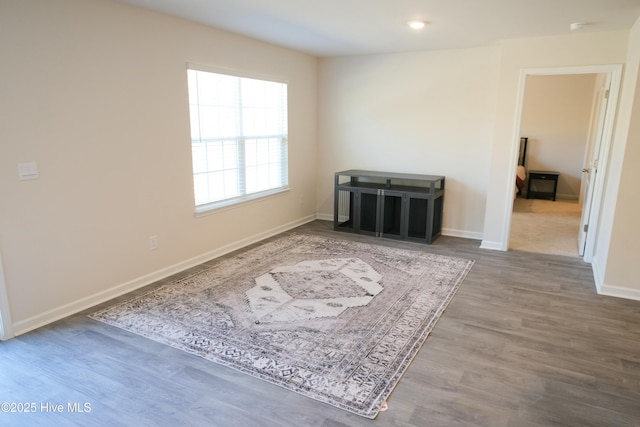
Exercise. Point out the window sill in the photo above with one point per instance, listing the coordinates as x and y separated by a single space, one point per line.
221 206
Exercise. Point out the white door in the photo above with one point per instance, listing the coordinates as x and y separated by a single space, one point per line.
590 170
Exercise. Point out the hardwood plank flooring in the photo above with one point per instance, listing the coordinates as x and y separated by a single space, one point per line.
525 342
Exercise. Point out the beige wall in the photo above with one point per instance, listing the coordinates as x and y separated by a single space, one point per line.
556 115
95 92
423 112
545 52
616 248
455 113
619 241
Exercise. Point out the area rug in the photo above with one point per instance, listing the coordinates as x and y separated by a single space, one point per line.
333 320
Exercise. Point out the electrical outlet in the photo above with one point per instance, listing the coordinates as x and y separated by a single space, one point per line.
153 242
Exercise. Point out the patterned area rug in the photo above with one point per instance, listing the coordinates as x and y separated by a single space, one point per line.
336 321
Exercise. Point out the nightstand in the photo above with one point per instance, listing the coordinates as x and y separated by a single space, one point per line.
542 184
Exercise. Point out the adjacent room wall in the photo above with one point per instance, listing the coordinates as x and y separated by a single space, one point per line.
422 112
555 117
616 247
95 92
544 52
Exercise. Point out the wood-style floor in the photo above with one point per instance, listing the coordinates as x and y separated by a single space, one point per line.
525 342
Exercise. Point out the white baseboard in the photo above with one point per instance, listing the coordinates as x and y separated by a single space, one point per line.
597 277
611 290
566 196
325 217
462 233
494 246
50 316
614 291
445 231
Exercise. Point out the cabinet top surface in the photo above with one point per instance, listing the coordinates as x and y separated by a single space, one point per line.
545 172
389 175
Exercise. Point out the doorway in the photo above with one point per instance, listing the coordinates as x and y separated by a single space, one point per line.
585 183
545 226
557 116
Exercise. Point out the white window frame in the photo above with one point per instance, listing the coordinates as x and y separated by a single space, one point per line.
241 141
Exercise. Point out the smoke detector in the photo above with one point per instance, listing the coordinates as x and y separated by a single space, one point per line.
578 26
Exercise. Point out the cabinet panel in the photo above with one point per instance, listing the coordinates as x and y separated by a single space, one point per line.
392 214
438 213
343 210
417 224
368 212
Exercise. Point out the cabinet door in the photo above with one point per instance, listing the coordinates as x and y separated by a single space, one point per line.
344 209
424 218
367 211
393 207
418 218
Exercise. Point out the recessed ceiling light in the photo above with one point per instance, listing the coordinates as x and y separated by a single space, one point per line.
416 25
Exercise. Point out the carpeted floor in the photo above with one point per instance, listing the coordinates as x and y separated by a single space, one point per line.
334 320
545 226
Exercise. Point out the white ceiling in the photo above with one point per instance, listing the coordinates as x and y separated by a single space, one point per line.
355 27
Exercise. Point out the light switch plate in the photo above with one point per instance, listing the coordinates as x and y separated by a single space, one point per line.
28 171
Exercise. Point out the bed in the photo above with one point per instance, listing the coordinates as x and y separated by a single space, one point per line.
521 171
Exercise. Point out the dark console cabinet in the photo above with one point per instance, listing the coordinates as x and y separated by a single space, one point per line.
392 205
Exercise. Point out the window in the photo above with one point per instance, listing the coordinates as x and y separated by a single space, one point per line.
239 138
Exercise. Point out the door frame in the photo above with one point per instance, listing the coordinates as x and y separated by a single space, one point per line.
6 328
615 72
